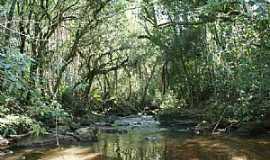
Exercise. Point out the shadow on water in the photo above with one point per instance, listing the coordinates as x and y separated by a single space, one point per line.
139 145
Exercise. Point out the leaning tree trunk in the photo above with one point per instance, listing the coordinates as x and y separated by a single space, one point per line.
90 82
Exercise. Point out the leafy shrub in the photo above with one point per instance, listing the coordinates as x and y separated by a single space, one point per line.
170 107
15 69
14 124
169 100
47 113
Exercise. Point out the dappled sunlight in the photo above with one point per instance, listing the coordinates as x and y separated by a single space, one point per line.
90 156
74 153
134 79
134 146
217 149
239 158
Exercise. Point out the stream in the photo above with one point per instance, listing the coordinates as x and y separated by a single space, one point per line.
145 140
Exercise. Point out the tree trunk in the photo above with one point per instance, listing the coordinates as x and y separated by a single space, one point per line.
10 16
148 80
91 77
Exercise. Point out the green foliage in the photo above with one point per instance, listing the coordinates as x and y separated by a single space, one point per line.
115 55
224 60
170 107
2 2
73 102
48 113
12 124
3 109
15 69
169 101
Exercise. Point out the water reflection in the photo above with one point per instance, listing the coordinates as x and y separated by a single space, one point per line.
129 147
134 146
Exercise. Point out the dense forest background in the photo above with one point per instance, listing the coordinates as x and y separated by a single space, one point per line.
63 61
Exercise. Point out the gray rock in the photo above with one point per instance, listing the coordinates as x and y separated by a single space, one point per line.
61 130
112 130
152 138
3 141
5 153
102 124
2 154
87 134
138 121
46 140
122 122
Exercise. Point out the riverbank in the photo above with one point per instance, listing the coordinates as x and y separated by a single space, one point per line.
65 135
153 143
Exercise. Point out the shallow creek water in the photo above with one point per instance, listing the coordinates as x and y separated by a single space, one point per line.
154 144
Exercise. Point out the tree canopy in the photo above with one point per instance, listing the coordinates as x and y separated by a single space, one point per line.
70 58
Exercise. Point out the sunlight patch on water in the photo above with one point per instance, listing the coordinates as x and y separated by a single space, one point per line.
240 158
74 153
